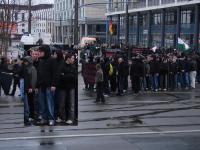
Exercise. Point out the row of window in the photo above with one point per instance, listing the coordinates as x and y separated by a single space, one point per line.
41 15
63 15
63 5
187 17
40 30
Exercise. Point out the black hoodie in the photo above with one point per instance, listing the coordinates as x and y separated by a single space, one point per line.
46 69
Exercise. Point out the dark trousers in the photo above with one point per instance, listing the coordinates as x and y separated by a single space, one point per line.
100 96
5 82
120 84
30 97
126 83
163 81
172 81
15 84
106 85
67 104
113 83
136 84
148 82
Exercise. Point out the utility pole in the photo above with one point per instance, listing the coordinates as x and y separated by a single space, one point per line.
76 23
60 29
127 30
29 16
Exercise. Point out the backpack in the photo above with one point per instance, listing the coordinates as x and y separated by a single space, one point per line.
110 70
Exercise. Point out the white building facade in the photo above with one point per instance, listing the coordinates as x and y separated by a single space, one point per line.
92 20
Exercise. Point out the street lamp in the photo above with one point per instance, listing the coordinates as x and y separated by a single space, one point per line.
76 23
29 16
60 29
127 31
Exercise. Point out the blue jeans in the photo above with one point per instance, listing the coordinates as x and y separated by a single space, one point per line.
154 81
184 79
21 86
46 103
187 79
26 108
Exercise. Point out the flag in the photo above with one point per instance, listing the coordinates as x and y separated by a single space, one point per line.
111 27
182 45
107 26
154 49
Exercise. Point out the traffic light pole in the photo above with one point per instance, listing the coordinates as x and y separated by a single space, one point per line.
127 31
29 16
60 29
76 23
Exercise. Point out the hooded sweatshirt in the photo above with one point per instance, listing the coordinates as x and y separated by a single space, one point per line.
46 69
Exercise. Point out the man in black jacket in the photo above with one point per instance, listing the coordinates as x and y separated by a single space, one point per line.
67 84
120 76
136 73
46 85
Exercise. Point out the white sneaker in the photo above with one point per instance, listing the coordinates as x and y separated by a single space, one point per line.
69 122
59 120
51 122
30 119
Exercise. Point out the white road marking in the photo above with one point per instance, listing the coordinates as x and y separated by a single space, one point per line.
133 101
99 135
11 104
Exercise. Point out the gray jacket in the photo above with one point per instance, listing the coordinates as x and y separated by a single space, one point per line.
99 76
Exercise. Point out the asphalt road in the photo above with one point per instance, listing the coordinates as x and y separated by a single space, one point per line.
148 121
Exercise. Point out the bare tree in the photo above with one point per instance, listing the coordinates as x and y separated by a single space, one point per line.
8 20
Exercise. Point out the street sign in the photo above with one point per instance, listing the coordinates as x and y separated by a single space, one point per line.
145 31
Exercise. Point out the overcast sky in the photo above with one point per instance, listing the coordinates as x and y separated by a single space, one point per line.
43 2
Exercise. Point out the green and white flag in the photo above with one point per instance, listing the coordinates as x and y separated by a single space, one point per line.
182 45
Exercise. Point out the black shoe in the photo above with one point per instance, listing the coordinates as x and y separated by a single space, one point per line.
119 94
104 102
96 101
27 123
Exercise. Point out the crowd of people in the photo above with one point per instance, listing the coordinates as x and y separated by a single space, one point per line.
48 85
153 71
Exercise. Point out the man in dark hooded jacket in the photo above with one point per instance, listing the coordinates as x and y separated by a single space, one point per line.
30 80
46 85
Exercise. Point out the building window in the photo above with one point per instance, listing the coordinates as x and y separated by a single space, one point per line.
134 20
143 20
22 16
23 24
63 5
170 18
186 17
101 28
23 30
60 6
16 16
157 19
